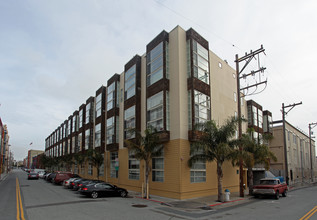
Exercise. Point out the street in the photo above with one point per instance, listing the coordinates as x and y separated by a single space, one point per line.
43 200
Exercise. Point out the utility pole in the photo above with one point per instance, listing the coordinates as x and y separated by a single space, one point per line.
247 58
311 155
284 135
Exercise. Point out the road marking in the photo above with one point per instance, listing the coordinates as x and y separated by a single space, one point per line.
19 202
309 214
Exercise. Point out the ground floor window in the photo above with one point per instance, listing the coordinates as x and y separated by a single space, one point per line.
134 167
76 169
158 168
102 168
90 169
82 169
113 161
198 171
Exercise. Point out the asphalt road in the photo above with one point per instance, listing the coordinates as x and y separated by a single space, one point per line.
42 200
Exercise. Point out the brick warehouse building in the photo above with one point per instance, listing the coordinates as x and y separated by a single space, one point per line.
176 83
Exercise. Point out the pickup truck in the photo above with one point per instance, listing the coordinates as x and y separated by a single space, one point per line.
270 187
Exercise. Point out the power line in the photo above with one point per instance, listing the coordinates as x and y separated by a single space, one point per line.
197 24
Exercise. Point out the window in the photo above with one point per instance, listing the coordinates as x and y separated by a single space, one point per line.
90 169
76 168
198 171
201 62
134 167
74 127
80 118
129 82
255 115
102 168
82 169
98 135
260 115
88 106
154 60
73 144
69 127
158 168
87 138
68 147
80 141
98 105
111 138
155 111
202 107
111 95
129 122
113 161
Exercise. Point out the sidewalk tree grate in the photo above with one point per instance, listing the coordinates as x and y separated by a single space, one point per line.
139 206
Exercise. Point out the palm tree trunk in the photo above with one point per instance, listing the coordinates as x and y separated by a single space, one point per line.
219 176
250 180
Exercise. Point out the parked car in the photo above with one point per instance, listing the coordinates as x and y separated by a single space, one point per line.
33 175
270 187
103 189
50 177
41 174
84 182
73 183
46 175
61 176
67 183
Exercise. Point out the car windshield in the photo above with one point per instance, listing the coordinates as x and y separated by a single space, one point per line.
268 182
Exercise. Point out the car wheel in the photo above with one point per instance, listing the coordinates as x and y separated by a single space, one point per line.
277 195
123 194
94 195
284 194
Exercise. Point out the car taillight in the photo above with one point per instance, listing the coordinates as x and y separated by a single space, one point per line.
80 184
85 189
73 184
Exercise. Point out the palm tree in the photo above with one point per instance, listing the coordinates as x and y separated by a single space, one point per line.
214 144
67 160
96 158
145 148
254 152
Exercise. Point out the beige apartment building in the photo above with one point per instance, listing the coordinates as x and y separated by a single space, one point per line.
31 154
175 84
301 157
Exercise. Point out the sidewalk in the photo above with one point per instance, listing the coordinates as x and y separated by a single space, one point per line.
209 202
200 203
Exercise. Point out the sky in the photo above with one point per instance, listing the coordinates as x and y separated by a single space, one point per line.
56 54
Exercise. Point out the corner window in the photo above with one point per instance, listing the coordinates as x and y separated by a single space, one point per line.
88 106
98 105
155 111
129 122
200 62
129 82
202 107
111 95
154 69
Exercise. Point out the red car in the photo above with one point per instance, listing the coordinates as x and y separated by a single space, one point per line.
270 187
61 176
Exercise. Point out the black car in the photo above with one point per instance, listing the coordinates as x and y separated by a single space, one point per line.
83 183
103 189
